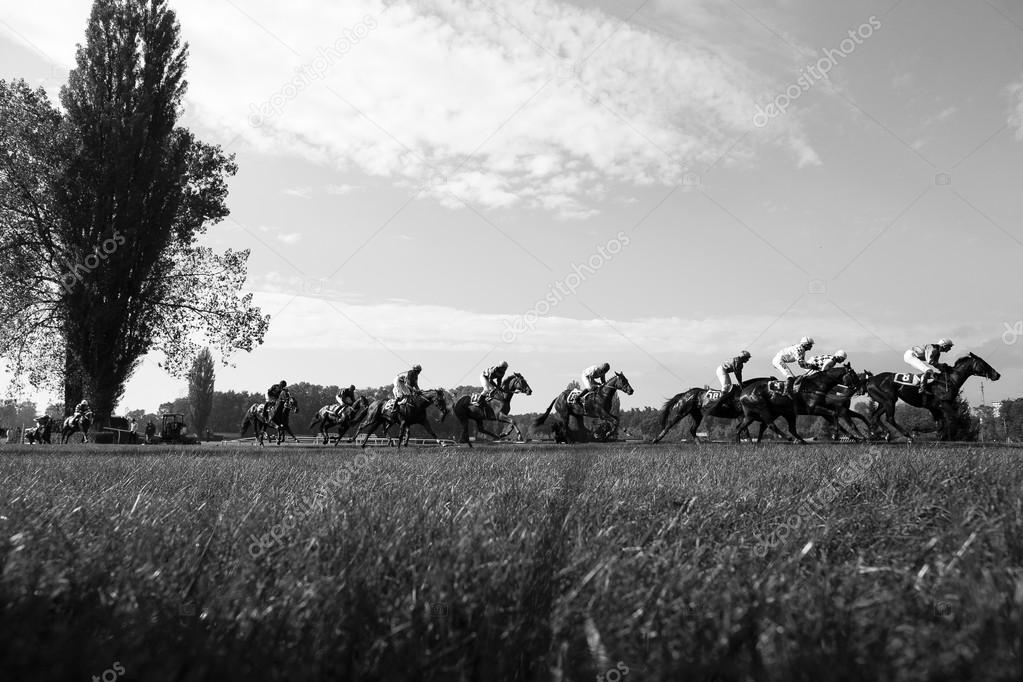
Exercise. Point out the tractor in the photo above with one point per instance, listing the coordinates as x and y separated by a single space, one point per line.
172 429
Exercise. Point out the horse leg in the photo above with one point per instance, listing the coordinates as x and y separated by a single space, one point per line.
890 417
744 424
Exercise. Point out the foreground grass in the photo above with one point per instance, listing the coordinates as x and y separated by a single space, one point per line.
536 563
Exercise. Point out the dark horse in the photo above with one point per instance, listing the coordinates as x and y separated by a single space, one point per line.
404 415
836 407
465 409
596 403
75 423
691 402
279 415
760 403
939 399
40 433
341 417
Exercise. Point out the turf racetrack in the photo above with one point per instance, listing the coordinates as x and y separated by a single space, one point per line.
534 562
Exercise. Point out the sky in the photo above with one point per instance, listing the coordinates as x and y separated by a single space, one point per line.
656 184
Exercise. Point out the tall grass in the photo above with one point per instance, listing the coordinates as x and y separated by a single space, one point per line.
537 563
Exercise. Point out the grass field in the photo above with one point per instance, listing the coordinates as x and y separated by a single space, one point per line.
607 563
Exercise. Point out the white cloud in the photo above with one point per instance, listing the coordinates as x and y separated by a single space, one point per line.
289 237
1016 111
331 320
300 192
448 87
341 190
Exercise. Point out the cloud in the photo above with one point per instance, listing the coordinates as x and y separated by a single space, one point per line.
1016 110
341 190
300 192
289 237
535 104
330 319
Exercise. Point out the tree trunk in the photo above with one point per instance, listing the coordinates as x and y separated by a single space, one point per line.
73 387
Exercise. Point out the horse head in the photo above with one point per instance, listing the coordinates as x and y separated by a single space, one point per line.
621 383
851 379
974 365
516 383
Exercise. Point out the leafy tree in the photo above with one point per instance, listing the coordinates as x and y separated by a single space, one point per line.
201 379
55 411
101 207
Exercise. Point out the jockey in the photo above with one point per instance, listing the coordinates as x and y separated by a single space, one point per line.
406 384
273 394
796 353
81 408
345 396
491 381
733 366
593 378
821 363
925 359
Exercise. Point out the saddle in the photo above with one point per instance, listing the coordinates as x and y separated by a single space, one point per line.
573 396
908 379
390 404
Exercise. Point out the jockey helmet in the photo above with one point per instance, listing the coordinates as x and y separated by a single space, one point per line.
417 368
806 341
840 354
606 366
945 342
745 355
504 364
283 383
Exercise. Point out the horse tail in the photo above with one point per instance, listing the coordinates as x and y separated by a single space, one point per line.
542 418
316 420
669 405
245 423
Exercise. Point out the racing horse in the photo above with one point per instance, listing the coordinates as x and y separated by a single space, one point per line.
691 403
405 415
939 399
40 433
74 424
341 417
281 411
465 409
759 402
596 404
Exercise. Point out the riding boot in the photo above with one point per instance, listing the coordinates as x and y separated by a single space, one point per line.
790 384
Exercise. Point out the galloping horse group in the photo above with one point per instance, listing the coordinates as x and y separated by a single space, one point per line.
829 394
